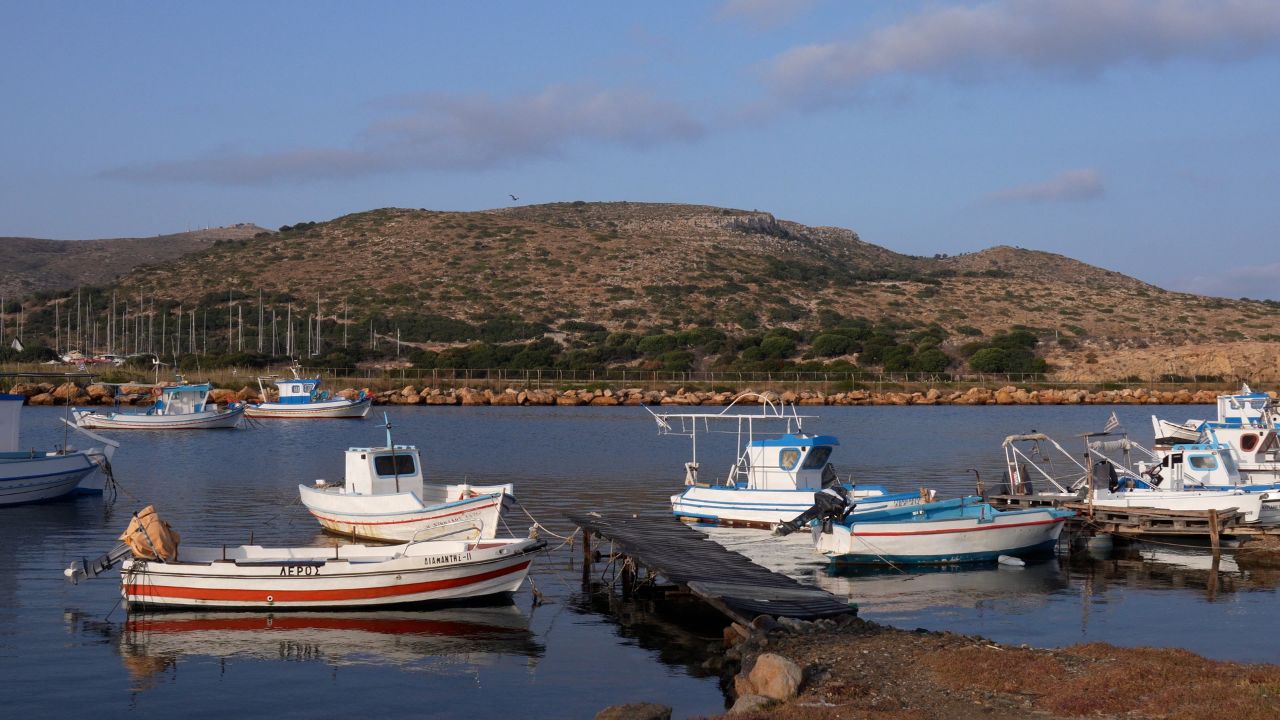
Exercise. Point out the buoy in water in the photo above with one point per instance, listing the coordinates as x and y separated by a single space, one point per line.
1010 561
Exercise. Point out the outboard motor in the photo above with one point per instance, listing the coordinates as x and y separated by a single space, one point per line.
830 505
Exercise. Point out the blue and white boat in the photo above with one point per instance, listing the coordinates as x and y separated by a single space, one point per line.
1247 424
300 397
177 407
33 475
774 478
963 530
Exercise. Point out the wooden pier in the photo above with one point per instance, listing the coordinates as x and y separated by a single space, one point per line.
688 560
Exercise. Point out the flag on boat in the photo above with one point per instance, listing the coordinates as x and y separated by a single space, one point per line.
1113 422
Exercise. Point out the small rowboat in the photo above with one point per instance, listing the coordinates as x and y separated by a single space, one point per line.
37 475
963 530
342 576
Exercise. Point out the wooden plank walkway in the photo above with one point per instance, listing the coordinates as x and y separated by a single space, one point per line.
1140 522
724 579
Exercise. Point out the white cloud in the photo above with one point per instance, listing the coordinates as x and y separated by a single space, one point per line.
764 14
1066 37
1252 281
1069 185
450 132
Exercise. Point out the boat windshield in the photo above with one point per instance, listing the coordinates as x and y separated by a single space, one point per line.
817 457
393 465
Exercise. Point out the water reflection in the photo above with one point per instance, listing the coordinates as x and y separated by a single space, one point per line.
447 641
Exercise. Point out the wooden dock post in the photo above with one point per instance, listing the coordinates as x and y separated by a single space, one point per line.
1213 534
586 559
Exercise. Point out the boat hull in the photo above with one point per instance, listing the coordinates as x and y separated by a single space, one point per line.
208 420
1026 533
402 517
328 409
43 477
344 577
765 509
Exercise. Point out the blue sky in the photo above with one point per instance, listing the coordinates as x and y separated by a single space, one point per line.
1136 135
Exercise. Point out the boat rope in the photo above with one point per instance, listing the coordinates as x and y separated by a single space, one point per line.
539 526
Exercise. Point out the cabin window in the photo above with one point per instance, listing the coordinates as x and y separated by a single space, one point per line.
296 389
1203 462
393 464
1248 442
817 458
788 457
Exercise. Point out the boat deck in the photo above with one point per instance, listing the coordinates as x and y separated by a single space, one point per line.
725 580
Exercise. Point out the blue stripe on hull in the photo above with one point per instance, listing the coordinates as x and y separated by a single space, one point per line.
1043 548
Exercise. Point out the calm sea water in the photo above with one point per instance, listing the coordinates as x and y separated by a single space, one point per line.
64 647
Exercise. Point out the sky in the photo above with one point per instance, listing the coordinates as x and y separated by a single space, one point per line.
1136 135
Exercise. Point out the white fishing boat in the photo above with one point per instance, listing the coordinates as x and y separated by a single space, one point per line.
177 407
383 497
774 479
156 573
1196 478
963 530
32 475
299 397
1247 424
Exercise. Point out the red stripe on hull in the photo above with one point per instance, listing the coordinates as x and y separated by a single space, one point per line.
139 592
858 533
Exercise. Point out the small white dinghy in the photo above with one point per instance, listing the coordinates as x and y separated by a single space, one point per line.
155 574
177 407
384 498
300 397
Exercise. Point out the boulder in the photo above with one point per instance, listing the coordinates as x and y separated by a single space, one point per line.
749 704
100 393
776 677
40 399
607 399
66 393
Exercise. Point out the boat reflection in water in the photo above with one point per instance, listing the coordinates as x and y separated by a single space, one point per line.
441 641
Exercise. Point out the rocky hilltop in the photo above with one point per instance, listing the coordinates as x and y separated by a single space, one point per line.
35 264
565 269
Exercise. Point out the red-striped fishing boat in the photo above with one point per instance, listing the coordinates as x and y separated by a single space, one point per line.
155 574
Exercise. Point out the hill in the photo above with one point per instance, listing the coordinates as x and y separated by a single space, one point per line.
713 283
36 264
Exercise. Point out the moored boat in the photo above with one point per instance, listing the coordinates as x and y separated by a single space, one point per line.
156 574
962 530
177 407
33 475
383 497
774 478
300 397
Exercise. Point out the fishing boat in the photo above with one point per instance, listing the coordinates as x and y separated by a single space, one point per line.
383 497
774 478
177 407
1196 478
33 475
1247 424
299 397
962 530
156 573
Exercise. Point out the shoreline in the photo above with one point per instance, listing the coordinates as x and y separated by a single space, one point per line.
71 393
859 668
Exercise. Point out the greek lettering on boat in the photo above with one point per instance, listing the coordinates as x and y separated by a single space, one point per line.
446 559
299 570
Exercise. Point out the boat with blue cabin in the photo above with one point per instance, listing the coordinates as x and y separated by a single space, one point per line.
177 407
774 478
34 475
962 530
300 397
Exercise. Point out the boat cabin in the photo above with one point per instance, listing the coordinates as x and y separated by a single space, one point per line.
299 391
1196 465
182 399
789 462
384 470
1247 408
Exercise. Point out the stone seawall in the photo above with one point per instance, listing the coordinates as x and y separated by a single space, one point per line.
74 394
